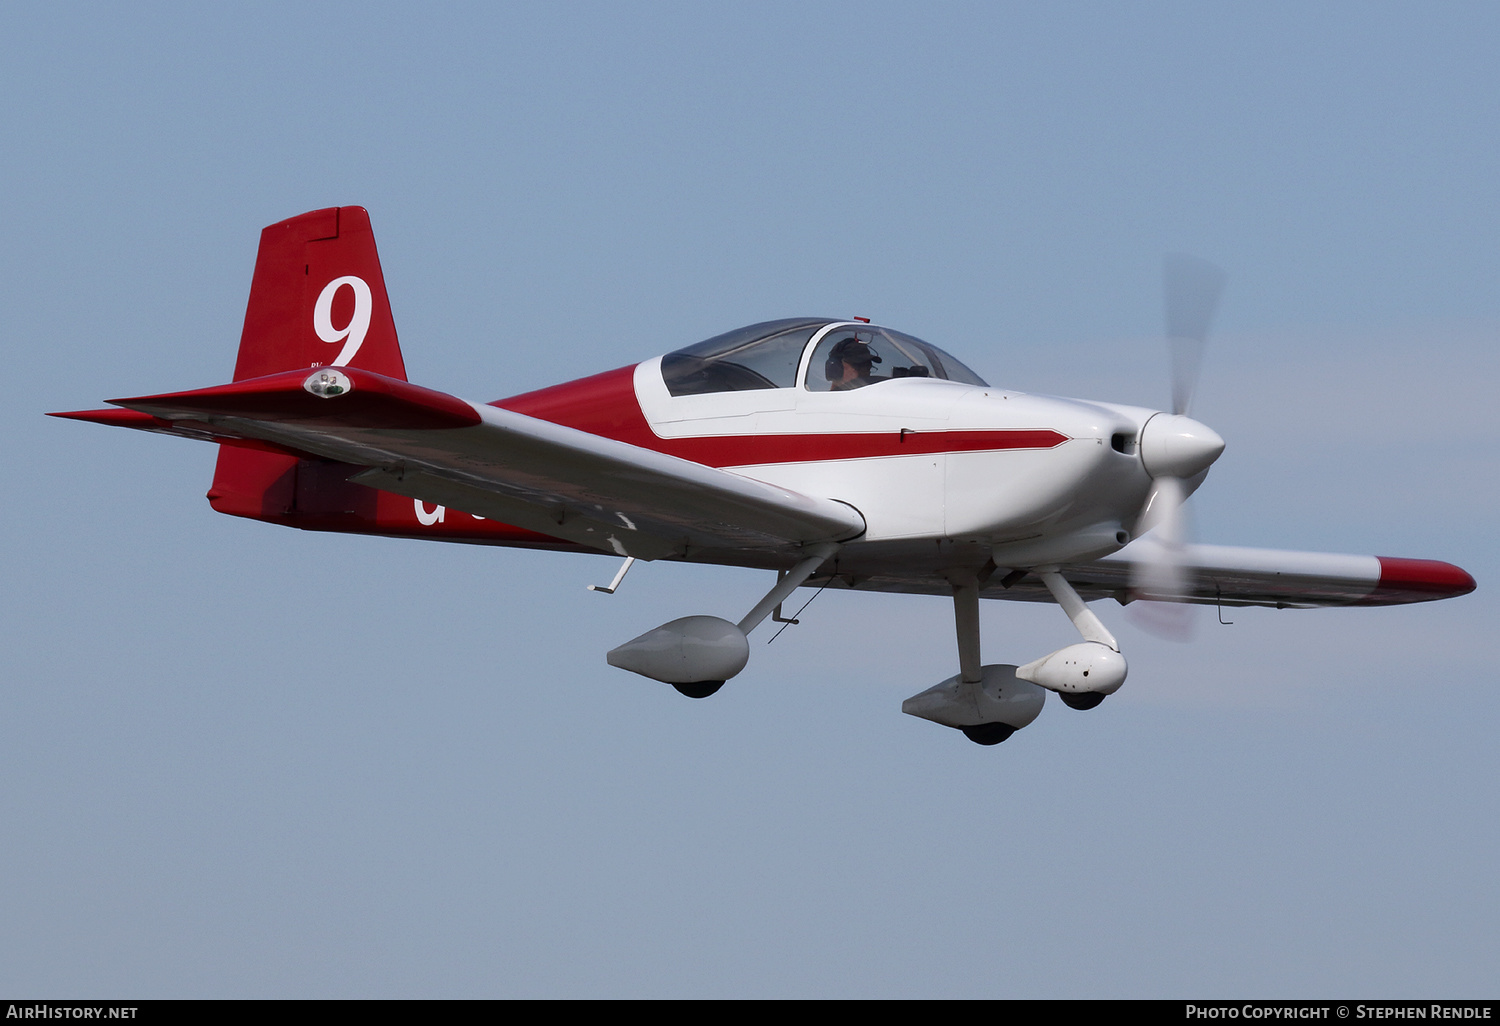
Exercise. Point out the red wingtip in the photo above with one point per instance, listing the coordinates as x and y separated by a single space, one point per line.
1417 580
115 418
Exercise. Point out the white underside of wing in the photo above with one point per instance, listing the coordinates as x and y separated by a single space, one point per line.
1233 575
1214 574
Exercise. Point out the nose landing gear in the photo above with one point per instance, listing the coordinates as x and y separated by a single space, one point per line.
1080 699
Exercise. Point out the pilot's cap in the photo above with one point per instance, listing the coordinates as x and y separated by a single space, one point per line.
852 350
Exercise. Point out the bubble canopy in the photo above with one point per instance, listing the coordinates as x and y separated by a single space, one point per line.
769 354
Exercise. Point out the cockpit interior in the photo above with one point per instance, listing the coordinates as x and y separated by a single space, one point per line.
826 355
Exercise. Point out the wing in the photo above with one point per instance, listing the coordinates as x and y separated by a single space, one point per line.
494 463
1226 575
1215 575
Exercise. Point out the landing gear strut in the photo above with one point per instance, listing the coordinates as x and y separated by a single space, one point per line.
697 654
987 703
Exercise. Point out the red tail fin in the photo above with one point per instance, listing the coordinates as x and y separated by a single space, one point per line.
317 298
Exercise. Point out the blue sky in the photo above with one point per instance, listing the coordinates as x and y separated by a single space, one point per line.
246 761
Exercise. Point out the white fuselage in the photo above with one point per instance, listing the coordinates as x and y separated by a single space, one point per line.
1035 479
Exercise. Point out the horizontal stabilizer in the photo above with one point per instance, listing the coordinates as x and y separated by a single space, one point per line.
118 418
289 398
181 428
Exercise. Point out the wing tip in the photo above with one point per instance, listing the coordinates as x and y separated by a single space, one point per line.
113 418
1417 580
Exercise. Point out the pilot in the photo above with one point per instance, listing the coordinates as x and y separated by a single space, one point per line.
849 364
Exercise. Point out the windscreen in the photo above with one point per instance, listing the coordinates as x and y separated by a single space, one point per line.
762 355
854 356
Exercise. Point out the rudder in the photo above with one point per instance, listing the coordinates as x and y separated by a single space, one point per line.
317 298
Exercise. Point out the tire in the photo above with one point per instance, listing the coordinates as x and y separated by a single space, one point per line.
988 733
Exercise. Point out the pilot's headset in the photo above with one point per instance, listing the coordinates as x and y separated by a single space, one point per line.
850 349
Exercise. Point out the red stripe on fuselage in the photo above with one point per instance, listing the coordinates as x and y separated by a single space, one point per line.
605 404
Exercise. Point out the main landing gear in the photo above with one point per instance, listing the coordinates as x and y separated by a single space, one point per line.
697 654
988 733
